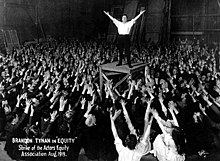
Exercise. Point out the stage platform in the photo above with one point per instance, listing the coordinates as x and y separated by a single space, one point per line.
123 68
109 69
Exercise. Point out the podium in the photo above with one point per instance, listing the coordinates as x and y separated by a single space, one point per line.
110 69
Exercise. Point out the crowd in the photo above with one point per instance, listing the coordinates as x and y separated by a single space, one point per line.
172 110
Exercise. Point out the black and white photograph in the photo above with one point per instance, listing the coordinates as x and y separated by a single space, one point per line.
109 80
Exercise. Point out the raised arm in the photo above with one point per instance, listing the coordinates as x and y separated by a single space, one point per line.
211 105
127 119
174 117
131 89
113 118
147 124
112 18
156 116
146 135
146 117
211 122
137 17
164 109
107 13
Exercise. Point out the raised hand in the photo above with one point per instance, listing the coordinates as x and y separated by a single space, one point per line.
142 11
217 89
62 103
56 93
109 84
19 99
138 83
106 87
85 87
133 83
135 100
53 116
205 97
123 103
116 114
202 108
149 101
28 103
83 101
107 13
83 80
90 106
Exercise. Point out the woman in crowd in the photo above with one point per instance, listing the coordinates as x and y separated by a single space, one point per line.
57 91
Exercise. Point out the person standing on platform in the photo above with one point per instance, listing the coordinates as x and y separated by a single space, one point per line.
124 29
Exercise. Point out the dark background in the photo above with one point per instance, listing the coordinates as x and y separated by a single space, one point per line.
164 19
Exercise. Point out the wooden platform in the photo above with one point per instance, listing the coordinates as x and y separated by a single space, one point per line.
123 68
110 69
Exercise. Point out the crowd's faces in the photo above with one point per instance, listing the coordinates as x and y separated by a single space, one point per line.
203 78
172 104
40 96
51 88
152 73
183 84
164 84
57 87
143 89
157 75
15 120
208 76
217 99
90 120
6 107
147 71
35 102
28 78
197 73
65 82
183 97
174 71
197 117
3 74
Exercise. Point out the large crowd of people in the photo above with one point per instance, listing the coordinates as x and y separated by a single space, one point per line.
171 111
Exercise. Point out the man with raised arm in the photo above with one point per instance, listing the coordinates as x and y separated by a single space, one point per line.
124 28
133 149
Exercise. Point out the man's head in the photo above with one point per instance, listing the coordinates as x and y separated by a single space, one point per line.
69 114
124 18
131 141
172 104
217 99
91 120
35 102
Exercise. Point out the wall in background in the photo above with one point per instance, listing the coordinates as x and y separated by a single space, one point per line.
81 18
55 17
196 18
148 27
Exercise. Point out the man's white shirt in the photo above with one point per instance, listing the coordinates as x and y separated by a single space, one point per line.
124 28
126 154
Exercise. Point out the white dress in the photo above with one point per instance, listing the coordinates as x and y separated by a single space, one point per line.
164 149
126 154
